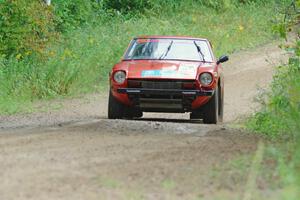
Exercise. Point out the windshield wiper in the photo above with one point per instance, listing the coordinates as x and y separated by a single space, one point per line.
199 51
167 51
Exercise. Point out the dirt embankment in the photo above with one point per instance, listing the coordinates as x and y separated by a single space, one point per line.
76 153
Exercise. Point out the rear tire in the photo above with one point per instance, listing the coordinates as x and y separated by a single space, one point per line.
211 109
115 108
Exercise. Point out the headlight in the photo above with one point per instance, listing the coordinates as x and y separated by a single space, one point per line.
120 77
206 79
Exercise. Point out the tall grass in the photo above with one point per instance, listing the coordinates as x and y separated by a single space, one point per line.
80 61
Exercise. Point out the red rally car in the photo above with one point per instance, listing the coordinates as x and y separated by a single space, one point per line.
168 74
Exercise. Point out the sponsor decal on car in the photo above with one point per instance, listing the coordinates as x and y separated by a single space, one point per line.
183 70
187 70
159 73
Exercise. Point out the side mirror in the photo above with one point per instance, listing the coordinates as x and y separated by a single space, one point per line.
222 59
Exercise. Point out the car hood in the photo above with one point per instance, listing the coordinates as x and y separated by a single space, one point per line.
162 69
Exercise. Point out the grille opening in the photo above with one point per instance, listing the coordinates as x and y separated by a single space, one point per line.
161 96
162 84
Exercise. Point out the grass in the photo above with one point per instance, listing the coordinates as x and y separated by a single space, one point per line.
110 183
168 184
80 62
270 173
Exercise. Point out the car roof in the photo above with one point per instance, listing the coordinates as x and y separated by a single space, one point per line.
168 37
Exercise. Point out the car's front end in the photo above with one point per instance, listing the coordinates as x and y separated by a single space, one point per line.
164 93
162 80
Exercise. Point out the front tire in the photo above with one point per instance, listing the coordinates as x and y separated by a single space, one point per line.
130 113
115 108
196 114
211 109
221 105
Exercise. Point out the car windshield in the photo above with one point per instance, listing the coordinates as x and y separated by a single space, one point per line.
169 49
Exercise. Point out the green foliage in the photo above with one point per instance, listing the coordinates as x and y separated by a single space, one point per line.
27 78
26 27
140 6
218 5
127 5
70 15
287 19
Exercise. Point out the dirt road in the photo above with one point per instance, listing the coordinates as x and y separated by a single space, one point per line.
74 152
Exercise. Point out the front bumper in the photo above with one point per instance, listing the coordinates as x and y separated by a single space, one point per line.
163 100
140 91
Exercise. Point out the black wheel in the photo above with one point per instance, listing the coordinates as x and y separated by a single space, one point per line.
115 108
221 105
196 114
211 109
130 113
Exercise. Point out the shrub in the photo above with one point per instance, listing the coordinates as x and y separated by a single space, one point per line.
127 5
72 14
26 27
224 4
138 6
